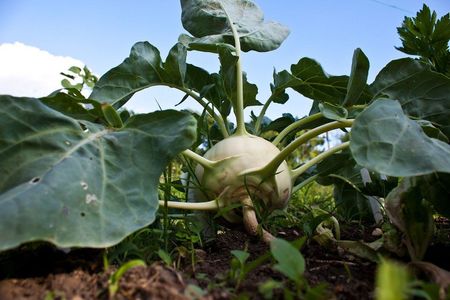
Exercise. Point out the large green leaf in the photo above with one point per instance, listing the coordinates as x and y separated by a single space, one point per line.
309 79
315 84
142 69
81 184
423 93
207 21
385 140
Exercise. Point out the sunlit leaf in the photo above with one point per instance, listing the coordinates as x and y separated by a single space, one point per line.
207 21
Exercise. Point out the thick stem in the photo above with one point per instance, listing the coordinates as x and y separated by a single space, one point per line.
295 125
251 222
300 170
239 109
208 205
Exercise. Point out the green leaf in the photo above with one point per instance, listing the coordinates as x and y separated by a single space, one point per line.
333 112
350 202
114 278
111 116
281 81
316 84
411 213
427 37
175 64
436 189
341 168
78 183
362 249
207 21
240 255
165 257
358 78
250 92
291 262
209 86
432 131
73 106
423 94
75 69
142 69
66 84
392 281
383 139
227 74
280 123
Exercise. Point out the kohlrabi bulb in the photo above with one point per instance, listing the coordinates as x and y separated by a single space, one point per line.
232 179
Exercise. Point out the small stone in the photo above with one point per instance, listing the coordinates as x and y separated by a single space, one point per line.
377 232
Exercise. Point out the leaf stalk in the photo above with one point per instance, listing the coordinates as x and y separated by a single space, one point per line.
294 126
239 109
207 205
273 165
300 170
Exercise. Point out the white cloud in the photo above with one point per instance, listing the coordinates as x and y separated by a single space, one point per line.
30 71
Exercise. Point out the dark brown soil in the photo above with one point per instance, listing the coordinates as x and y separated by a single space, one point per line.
48 273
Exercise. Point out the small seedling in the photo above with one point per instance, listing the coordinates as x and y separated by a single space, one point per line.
114 279
237 271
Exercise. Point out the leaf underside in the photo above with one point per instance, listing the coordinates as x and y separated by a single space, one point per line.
385 140
78 183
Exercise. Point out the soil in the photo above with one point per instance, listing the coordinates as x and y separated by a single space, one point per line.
41 271
45 272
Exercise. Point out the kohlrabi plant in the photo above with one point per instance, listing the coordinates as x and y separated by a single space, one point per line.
78 172
242 167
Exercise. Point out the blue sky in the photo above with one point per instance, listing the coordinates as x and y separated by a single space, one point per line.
100 34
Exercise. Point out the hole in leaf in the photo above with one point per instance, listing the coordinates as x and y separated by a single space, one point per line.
83 214
35 180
